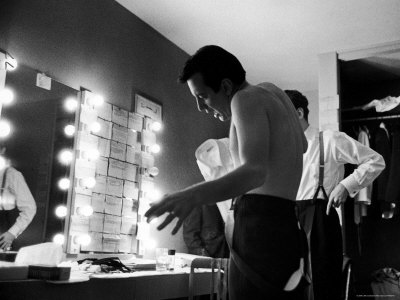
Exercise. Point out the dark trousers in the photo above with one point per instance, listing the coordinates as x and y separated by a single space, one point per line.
325 240
267 238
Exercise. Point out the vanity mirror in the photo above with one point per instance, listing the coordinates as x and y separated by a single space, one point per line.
39 121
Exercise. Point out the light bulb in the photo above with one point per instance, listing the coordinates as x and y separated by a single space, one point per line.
71 104
88 182
154 171
83 239
5 128
155 148
58 239
64 183
69 130
153 195
96 100
95 127
85 211
156 126
66 156
61 211
6 96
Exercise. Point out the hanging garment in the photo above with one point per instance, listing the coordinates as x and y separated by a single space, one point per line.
382 146
393 186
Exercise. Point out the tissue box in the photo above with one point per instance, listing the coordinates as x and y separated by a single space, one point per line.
48 272
12 271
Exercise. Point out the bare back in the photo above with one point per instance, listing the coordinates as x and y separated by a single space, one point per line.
282 144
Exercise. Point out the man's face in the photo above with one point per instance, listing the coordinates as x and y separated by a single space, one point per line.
208 100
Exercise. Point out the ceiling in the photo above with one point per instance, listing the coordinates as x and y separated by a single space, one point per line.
276 40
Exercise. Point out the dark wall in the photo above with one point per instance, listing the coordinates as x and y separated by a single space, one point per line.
99 45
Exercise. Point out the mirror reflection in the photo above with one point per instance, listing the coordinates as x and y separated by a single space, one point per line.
41 127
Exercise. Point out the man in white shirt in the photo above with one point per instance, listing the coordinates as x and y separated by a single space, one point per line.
320 222
17 206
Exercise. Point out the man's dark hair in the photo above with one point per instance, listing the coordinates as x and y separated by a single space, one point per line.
299 101
215 64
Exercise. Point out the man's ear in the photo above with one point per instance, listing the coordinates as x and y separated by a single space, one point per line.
300 113
227 86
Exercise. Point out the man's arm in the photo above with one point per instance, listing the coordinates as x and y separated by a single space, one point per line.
24 201
370 165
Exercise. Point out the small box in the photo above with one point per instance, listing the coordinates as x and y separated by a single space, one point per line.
48 272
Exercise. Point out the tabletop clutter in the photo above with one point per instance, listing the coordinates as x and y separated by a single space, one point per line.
47 261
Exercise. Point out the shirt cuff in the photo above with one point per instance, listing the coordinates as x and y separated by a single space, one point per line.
351 185
14 230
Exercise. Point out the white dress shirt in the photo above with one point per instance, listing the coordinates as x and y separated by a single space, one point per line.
339 149
17 194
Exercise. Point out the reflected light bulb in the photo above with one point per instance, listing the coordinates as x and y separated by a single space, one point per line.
95 127
69 130
155 148
88 182
91 154
96 100
85 211
71 104
5 128
6 96
63 183
150 244
3 162
156 126
58 239
61 211
83 239
154 220
66 156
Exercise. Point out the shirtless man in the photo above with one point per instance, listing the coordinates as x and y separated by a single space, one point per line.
267 145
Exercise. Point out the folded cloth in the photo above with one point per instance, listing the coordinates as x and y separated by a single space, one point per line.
48 254
382 105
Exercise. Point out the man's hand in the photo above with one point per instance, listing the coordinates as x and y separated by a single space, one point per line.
337 197
6 240
178 205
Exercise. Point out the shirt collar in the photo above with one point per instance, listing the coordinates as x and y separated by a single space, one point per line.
310 132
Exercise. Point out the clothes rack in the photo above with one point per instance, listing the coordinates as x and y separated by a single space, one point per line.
372 118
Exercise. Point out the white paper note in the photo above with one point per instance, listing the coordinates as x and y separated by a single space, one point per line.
120 116
135 122
114 187
104 147
105 111
119 133
116 168
130 172
101 184
102 166
118 151
113 205
98 202
96 222
112 224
